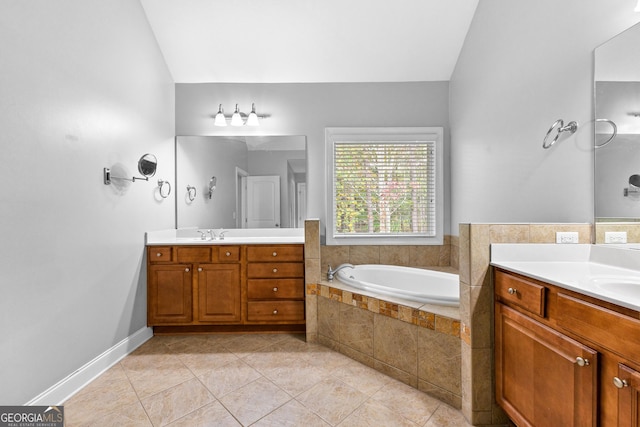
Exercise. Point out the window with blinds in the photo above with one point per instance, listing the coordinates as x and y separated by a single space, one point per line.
383 186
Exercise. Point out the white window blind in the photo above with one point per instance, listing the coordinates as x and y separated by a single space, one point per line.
384 188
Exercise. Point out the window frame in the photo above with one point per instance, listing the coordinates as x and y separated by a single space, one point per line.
383 134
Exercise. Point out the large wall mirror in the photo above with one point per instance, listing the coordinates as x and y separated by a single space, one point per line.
241 181
617 129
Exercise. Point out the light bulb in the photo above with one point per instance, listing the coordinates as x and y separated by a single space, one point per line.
220 120
236 119
252 120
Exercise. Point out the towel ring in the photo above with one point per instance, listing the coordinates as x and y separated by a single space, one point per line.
161 185
613 135
559 124
191 193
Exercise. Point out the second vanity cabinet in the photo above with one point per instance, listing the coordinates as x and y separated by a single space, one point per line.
208 288
563 358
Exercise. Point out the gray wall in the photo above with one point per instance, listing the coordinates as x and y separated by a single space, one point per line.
83 86
308 108
524 65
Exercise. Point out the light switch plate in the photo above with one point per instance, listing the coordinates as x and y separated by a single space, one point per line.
567 237
615 237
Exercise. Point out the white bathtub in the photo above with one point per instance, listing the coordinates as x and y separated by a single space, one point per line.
415 284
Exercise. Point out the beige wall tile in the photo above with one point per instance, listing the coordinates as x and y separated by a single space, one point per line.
439 360
329 318
311 317
364 254
509 233
356 329
481 316
312 238
479 243
464 253
312 271
334 256
482 393
398 374
396 343
424 256
440 394
632 229
394 255
365 359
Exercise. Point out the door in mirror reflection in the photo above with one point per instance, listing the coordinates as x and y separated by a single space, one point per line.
263 201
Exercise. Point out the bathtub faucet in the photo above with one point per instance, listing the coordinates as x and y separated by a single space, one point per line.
331 272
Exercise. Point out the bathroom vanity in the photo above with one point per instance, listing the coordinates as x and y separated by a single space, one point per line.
567 338
225 285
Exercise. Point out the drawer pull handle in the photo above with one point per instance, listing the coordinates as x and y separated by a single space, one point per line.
275 289
228 253
159 254
275 311
620 383
186 269
275 254
199 268
582 362
512 291
275 270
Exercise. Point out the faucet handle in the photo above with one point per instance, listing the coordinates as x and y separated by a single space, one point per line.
221 233
203 235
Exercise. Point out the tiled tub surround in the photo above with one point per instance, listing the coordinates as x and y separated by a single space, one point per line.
418 344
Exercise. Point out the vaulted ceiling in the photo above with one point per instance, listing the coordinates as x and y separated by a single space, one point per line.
273 41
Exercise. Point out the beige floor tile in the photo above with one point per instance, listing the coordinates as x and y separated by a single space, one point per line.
361 377
375 414
255 400
291 414
229 377
211 415
295 379
332 400
408 401
176 402
446 416
150 374
132 415
243 345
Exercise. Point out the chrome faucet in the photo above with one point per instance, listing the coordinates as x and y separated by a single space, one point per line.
212 234
203 235
331 272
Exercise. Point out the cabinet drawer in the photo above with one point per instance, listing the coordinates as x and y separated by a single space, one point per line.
514 290
194 254
275 269
615 331
275 253
275 311
156 254
229 253
275 288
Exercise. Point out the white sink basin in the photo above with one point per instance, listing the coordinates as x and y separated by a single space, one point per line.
625 287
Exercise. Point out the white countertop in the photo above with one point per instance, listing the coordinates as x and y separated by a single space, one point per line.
608 273
244 236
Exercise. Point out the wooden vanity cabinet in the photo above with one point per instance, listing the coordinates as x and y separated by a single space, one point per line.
564 359
275 284
209 288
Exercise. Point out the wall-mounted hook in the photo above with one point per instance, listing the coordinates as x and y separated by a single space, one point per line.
191 193
560 127
162 185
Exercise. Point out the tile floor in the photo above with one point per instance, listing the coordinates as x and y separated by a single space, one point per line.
249 380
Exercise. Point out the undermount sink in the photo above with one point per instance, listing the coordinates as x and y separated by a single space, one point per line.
618 285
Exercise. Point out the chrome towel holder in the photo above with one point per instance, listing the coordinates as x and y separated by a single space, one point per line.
614 132
191 192
162 185
560 127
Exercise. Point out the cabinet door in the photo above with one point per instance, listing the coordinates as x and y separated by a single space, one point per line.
539 378
219 293
628 382
169 299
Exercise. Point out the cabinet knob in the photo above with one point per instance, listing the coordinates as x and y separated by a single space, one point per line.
199 268
186 269
275 289
582 362
620 383
275 270
228 253
158 254
512 291
275 311
275 253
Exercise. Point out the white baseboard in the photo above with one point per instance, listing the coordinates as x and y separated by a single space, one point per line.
58 393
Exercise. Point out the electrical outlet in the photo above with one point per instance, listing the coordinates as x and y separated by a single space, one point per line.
567 237
615 237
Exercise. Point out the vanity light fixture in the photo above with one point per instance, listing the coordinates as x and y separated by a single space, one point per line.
238 118
637 9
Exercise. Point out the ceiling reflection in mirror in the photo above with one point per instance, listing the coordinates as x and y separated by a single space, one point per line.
241 181
617 128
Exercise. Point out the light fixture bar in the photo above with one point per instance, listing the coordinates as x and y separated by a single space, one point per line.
238 118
